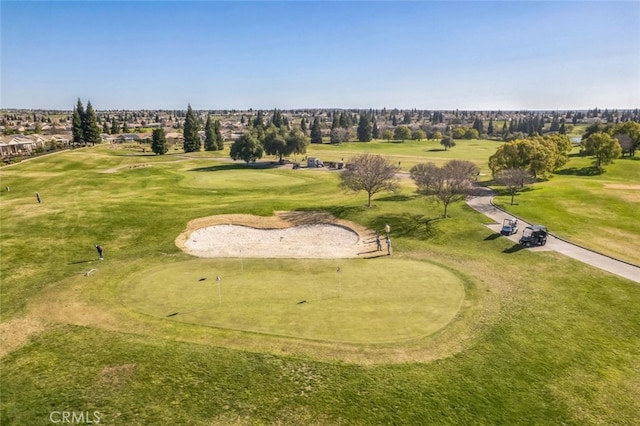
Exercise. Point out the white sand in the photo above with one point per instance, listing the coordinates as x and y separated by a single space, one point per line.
319 241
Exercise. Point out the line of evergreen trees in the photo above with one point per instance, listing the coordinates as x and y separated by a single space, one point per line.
85 128
213 140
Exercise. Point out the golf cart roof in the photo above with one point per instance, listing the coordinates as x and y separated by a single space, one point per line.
538 228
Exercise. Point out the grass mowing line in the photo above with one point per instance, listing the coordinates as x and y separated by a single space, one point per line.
363 303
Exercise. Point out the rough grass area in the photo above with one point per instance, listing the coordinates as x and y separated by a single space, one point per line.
539 338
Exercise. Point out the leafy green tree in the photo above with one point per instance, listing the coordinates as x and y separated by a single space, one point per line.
192 142
471 134
516 154
596 127
90 129
536 155
105 128
303 126
558 148
402 133
274 142
448 142
603 147
125 126
159 143
459 132
316 132
297 142
76 123
365 131
247 148
628 134
407 118
450 183
418 135
490 129
387 134
210 142
370 173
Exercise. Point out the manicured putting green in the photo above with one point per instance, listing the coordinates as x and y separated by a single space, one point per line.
365 301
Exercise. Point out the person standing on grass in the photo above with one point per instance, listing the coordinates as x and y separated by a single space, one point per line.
378 243
388 246
387 230
38 197
100 251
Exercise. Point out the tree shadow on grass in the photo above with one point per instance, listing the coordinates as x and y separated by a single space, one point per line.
236 166
583 171
410 225
513 249
436 150
81 261
398 197
492 237
322 214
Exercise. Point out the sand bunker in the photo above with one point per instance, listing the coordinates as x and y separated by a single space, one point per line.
286 235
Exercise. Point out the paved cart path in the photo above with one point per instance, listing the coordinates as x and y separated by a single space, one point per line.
483 204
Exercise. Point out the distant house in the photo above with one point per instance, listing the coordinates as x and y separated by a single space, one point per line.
17 145
174 137
128 137
61 140
106 137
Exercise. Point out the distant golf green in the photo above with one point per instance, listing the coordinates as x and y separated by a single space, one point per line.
364 301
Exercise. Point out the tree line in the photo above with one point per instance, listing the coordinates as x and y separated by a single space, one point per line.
273 137
84 123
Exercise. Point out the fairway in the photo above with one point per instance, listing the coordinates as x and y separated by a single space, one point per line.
365 301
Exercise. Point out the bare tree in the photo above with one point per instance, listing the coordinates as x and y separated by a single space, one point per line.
370 173
449 183
339 135
514 180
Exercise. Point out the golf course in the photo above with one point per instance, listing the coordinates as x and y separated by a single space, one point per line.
456 326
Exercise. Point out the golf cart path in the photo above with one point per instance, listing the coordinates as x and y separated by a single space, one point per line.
483 203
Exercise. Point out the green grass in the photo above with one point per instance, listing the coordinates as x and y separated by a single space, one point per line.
539 338
304 299
597 211
409 153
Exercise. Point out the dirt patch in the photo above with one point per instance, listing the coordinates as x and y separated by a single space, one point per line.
116 376
310 235
630 193
126 166
622 186
16 332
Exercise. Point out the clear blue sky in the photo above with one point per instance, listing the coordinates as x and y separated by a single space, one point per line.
300 54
